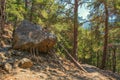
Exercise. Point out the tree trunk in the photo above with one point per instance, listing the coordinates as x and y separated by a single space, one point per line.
26 4
97 56
75 47
105 38
110 61
2 17
32 10
114 60
2 10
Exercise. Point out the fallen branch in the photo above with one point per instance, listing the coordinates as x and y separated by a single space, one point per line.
56 56
76 62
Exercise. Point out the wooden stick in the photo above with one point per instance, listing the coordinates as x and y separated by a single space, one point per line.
56 56
76 62
37 55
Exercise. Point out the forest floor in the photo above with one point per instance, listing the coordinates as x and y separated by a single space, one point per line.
51 67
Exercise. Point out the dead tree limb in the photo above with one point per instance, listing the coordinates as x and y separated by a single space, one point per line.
75 62
57 57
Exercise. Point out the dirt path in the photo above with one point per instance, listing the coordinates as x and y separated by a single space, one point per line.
51 67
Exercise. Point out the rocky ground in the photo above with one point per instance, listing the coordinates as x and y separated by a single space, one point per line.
18 65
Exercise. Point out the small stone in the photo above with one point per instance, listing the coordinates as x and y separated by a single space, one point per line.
16 63
2 57
8 67
25 63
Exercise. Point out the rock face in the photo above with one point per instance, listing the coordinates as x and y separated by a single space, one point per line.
28 35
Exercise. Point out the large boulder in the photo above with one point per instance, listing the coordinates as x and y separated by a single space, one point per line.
28 35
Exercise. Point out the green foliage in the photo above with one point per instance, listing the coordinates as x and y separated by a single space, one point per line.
14 10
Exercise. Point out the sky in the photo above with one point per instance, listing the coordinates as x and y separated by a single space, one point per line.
83 11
